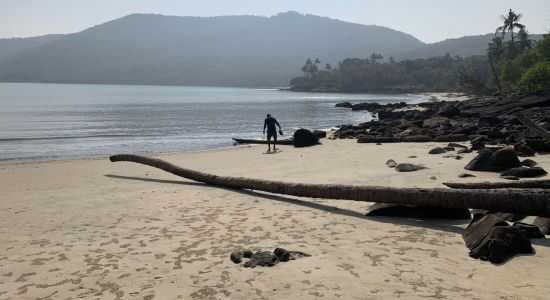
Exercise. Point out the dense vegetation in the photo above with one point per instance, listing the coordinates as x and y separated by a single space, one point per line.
370 75
514 63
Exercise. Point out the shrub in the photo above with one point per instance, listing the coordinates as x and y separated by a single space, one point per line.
536 79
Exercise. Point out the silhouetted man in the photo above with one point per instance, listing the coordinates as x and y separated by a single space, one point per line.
270 123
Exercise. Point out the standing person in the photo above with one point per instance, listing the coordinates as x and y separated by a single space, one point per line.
270 123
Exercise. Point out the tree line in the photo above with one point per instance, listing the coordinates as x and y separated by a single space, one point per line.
513 64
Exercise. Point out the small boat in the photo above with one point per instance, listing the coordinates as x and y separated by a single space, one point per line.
252 141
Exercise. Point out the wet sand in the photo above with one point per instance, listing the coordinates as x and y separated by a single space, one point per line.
94 229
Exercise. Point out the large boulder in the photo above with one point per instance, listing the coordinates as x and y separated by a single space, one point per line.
504 159
413 211
305 138
500 160
493 239
481 161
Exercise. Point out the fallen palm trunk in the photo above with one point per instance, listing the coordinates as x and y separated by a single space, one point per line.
524 201
531 184
249 141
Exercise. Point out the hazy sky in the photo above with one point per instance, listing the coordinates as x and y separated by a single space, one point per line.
428 20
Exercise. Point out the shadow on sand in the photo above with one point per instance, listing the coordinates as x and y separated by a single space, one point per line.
435 224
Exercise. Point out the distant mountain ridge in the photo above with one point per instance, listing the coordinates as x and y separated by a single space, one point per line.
464 46
248 51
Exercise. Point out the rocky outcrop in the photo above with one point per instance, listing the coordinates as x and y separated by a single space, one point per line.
305 138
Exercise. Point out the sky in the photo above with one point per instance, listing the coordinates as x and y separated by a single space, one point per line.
428 20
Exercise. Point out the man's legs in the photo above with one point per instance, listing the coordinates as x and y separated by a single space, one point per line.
275 142
269 135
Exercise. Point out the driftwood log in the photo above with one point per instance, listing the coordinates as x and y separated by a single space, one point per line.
523 201
531 184
263 142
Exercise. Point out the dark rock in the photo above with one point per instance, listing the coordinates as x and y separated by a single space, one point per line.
320 133
449 148
437 150
491 238
530 231
417 139
524 150
524 172
405 167
460 151
509 177
449 111
543 224
479 142
285 255
455 145
433 178
411 211
236 256
528 163
495 133
465 175
481 161
488 121
247 254
343 104
305 138
504 159
451 138
262 259
391 163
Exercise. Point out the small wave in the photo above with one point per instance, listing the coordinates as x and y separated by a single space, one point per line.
18 139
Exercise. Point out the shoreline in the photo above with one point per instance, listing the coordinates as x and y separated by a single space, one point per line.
100 157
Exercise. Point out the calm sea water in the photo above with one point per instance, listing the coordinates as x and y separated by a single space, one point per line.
58 121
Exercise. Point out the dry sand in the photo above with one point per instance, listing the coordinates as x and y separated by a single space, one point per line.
99 230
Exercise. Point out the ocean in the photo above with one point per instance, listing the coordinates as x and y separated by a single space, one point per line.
63 121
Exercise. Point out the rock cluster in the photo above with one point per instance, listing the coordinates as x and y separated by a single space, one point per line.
265 258
482 121
492 238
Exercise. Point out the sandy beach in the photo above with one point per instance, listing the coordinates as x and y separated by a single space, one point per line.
94 229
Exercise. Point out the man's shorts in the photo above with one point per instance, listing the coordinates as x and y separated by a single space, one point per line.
271 134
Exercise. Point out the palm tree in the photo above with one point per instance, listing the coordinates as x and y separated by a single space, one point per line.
307 67
524 43
524 201
375 57
511 22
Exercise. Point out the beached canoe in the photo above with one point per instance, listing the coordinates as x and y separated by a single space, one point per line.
251 141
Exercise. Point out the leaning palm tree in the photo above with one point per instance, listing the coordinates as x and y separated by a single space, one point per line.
511 22
524 201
